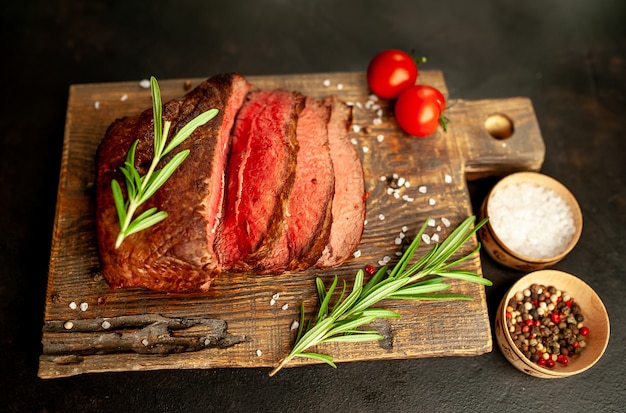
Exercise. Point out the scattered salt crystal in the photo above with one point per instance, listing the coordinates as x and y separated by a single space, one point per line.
405 228
383 178
398 253
339 86
398 241
259 353
124 97
395 176
381 217
401 181
422 189
426 238
356 254
434 238
144 83
445 221
350 103
438 227
272 301
431 222
359 105
396 194
380 138
381 262
354 141
531 220
106 324
386 259
401 235
408 198
379 113
377 121
276 296
356 128
73 305
373 98
365 222
96 104
407 184
145 342
84 306
366 149
285 306
326 82
294 325
68 325
431 202
447 178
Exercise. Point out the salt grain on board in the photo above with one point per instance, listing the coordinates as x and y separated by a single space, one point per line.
84 306
73 305
124 97
294 325
259 353
144 83
356 254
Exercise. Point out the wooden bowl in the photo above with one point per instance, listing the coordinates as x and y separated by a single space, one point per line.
506 256
592 308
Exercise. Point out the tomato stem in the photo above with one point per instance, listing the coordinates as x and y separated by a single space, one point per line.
443 121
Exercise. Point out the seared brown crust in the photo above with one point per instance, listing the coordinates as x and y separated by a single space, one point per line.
175 255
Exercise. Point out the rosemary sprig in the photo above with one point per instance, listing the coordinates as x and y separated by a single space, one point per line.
140 188
421 280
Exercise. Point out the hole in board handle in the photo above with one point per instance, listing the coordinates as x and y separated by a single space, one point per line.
499 126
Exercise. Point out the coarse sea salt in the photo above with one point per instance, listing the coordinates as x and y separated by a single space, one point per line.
531 220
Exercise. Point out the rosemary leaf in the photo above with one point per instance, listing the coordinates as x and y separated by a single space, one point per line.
421 280
141 188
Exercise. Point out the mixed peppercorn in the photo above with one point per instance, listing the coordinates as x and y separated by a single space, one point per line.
546 325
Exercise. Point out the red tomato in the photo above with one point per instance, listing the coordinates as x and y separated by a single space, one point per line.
390 72
419 110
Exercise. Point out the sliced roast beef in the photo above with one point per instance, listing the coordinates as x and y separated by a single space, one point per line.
177 254
348 207
259 178
308 214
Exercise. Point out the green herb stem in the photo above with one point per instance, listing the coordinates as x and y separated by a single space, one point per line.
423 280
140 188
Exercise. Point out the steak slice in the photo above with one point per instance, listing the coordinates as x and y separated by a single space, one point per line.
177 254
348 208
308 215
259 178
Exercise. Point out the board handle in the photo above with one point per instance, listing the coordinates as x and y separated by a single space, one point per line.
496 136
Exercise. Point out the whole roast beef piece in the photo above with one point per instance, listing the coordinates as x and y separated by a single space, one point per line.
259 178
176 255
348 207
308 215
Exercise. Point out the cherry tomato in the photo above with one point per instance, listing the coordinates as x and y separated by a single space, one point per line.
419 110
390 72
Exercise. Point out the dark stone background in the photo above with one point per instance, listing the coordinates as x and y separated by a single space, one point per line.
568 56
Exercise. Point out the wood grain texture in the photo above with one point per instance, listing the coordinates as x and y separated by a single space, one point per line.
242 301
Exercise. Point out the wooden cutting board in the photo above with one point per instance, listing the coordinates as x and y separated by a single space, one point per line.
245 320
